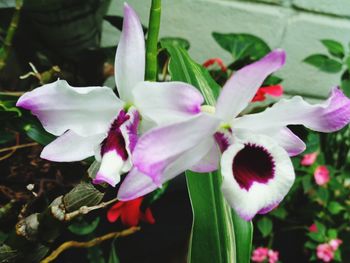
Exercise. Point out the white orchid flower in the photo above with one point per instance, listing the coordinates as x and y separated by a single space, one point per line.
255 165
94 121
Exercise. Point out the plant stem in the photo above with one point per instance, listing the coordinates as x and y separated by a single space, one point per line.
85 209
10 34
152 41
91 243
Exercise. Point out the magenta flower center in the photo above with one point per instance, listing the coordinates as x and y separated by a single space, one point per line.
253 164
115 140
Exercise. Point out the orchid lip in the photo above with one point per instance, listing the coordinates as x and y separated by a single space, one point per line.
247 173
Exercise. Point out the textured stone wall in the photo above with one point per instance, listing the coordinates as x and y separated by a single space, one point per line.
295 25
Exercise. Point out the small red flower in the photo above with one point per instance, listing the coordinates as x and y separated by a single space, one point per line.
275 91
130 213
313 228
218 61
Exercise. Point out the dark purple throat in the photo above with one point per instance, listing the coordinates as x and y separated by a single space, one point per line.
253 164
115 140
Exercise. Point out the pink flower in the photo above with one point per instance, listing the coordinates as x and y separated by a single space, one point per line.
309 159
335 243
313 228
273 256
321 175
325 252
260 254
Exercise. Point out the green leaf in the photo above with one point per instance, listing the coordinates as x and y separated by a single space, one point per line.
243 238
306 181
323 194
175 41
319 238
324 63
84 194
337 255
265 226
321 229
313 142
334 48
113 257
212 232
345 86
280 213
310 245
335 208
183 68
272 80
332 233
242 46
83 227
37 133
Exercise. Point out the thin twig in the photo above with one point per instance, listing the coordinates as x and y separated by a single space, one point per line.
91 243
16 147
87 209
11 151
10 93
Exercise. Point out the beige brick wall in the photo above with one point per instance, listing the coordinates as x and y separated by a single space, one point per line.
297 26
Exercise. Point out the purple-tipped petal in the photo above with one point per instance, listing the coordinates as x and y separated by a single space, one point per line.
257 174
160 147
283 136
71 147
167 102
331 115
240 89
130 56
288 141
135 184
60 107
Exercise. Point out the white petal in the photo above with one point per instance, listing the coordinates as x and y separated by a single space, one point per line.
60 107
240 89
130 56
71 147
210 162
255 187
167 102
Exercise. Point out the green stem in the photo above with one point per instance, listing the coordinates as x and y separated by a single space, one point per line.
10 34
152 41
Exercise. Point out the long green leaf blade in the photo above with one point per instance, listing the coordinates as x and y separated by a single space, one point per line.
212 237
243 238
